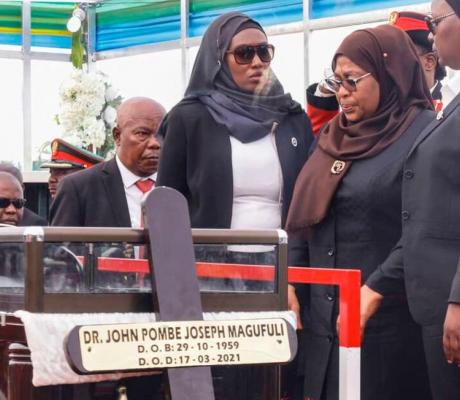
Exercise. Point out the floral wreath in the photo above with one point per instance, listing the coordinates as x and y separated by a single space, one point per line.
87 111
87 104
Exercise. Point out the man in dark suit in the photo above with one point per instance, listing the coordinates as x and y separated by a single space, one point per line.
11 199
108 194
29 218
424 262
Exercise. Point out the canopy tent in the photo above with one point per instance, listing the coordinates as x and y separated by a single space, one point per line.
125 23
35 30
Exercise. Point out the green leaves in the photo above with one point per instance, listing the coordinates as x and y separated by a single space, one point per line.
78 51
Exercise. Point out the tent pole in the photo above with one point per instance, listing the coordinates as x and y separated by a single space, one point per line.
306 46
90 37
184 32
26 84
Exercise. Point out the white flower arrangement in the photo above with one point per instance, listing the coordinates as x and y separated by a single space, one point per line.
87 111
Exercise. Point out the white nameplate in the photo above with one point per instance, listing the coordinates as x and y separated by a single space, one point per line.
180 344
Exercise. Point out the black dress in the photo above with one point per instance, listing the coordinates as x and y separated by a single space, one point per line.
362 226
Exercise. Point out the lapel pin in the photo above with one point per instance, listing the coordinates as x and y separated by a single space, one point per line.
337 167
294 141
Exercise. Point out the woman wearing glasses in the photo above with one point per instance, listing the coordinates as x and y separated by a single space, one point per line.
236 143
347 201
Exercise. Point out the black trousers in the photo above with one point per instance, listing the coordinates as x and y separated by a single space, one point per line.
444 377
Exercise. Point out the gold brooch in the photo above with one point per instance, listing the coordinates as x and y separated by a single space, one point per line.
337 167
393 17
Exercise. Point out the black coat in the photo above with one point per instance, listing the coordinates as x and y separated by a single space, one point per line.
196 160
29 218
92 197
362 226
427 255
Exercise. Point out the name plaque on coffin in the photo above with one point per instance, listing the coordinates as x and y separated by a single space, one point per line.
130 347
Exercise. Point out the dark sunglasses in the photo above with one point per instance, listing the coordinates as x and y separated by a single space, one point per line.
17 203
434 22
350 84
245 53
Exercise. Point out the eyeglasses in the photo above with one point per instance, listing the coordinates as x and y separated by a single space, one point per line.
245 53
17 203
349 84
434 22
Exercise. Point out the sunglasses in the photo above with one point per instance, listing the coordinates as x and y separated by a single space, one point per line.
17 203
434 22
350 84
245 53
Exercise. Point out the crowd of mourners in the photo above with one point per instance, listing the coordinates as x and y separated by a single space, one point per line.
368 177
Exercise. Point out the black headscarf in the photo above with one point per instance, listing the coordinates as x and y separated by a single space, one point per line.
248 116
455 4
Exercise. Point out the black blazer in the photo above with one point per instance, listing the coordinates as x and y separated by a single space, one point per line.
196 160
362 226
29 218
92 197
427 254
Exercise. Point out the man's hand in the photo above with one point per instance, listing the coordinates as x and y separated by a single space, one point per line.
293 305
370 302
451 338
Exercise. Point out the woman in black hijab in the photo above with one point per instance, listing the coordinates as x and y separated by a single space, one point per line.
347 201
233 104
234 147
236 142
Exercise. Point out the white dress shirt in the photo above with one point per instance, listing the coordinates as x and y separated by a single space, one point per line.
133 194
450 88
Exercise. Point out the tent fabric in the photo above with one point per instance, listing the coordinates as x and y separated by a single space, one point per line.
126 23
331 8
271 12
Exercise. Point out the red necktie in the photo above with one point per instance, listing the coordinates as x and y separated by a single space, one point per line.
144 186
437 105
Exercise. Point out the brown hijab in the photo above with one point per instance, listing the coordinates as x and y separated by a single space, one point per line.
389 55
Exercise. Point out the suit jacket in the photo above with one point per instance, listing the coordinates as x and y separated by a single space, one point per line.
92 197
427 254
196 160
362 226
29 218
